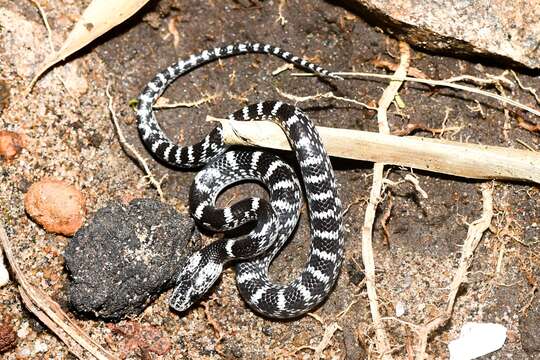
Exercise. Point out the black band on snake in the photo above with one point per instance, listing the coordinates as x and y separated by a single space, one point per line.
275 219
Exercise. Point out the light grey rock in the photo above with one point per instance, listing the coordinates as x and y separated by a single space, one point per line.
507 30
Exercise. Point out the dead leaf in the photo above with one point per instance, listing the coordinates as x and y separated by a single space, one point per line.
98 18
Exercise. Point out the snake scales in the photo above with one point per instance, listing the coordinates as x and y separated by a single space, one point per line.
275 219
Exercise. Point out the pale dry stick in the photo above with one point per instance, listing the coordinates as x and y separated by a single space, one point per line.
281 19
342 313
443 127
51 313
383 344
316 317
526 88
282 68
329 331
466 160
474 235
166 105
325 341
499 266
416 183
328 95
408 178
493 80
477 108
525 144
126 145
171 27
444 83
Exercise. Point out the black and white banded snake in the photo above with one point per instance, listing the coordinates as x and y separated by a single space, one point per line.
275 219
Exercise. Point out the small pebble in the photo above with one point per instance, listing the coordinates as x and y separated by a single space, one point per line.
56 205
23 330
401 309
11 144
40 347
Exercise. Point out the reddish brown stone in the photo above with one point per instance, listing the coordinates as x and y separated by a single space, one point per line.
56 205
11 143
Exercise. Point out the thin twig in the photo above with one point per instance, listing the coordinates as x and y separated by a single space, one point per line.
171 27
493 80
281 19
527 88
342 313
474 235
524 124
72 346
282 68
525 144
388 65
327 337
328 95
162 104
410 128
431 82
414 180
218 331
126 145
43 16
383 344
329 331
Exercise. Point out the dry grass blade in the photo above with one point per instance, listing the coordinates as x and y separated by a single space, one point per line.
98 18
51 314
352 75
454 86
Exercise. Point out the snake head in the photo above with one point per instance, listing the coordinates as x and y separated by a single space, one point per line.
195 279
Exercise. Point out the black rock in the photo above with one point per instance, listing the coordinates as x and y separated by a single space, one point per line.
125 257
